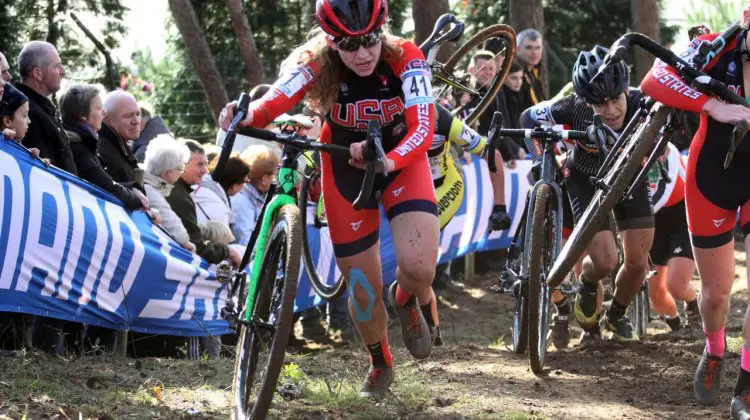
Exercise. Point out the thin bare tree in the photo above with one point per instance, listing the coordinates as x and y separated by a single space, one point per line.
200 54
646 21
248 49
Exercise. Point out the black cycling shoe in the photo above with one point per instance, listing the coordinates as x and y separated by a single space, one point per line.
621 329
675 324
560 332
591 335
740 407
707 380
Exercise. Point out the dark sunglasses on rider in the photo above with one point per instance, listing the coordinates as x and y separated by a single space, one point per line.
351 44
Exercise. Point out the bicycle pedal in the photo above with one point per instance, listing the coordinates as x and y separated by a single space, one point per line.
497 289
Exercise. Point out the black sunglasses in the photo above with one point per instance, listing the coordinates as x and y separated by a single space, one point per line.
351 44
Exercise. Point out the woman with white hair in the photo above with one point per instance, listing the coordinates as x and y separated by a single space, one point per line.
164 163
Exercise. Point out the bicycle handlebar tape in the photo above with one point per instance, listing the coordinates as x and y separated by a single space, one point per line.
435 38
495 126
226 148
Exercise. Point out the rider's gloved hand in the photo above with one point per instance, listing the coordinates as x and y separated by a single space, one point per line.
499 219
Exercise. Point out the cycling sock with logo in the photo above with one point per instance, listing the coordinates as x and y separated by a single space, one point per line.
499 207
402 297
616 310
715 343
743 379
380 354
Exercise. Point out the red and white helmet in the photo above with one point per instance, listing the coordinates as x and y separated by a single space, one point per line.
351 18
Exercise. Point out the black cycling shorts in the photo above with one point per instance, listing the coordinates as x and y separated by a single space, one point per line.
635 212
671 235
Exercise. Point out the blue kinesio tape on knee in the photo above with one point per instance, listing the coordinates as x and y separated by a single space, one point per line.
356 276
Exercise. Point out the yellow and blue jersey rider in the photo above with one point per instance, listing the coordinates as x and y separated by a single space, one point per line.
447 177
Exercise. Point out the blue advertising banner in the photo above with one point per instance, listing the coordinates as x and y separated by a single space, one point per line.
69 250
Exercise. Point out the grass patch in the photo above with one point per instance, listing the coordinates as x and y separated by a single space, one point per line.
734 344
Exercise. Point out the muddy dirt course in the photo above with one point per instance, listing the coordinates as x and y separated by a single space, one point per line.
474 375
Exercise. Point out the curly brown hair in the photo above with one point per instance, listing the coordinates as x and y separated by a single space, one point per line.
331 70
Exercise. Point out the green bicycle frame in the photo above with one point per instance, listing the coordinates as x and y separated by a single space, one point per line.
283 196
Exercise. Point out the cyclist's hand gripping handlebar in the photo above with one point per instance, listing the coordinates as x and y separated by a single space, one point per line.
226 148
375 157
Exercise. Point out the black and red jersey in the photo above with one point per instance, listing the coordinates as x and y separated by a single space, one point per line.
664 85
398 95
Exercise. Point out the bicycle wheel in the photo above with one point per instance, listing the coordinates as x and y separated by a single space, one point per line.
262 343
316 230
541 256
618 178
463 54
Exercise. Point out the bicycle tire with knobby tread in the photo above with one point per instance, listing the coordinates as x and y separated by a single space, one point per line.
494 31
537 247
285 234
325 291
602 203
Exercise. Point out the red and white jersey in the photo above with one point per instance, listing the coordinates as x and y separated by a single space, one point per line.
663 193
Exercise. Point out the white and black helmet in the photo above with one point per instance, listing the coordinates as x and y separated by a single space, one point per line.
608 86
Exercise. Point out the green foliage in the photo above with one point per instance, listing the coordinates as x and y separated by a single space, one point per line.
581 24
716 14
49 20
571 25
277 25
479 14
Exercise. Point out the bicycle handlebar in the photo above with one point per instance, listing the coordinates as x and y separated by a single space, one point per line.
699 79
373 153
226 149
436 38
691 74
539 133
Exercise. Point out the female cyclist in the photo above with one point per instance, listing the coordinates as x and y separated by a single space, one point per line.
713 196
354 71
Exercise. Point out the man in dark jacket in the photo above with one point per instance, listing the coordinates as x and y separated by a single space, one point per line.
184 206
529 54
122 123
41 72
81 109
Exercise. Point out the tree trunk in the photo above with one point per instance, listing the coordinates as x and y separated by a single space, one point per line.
526 14
53 27
248 49
310 13
646 21
426 13
200 54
